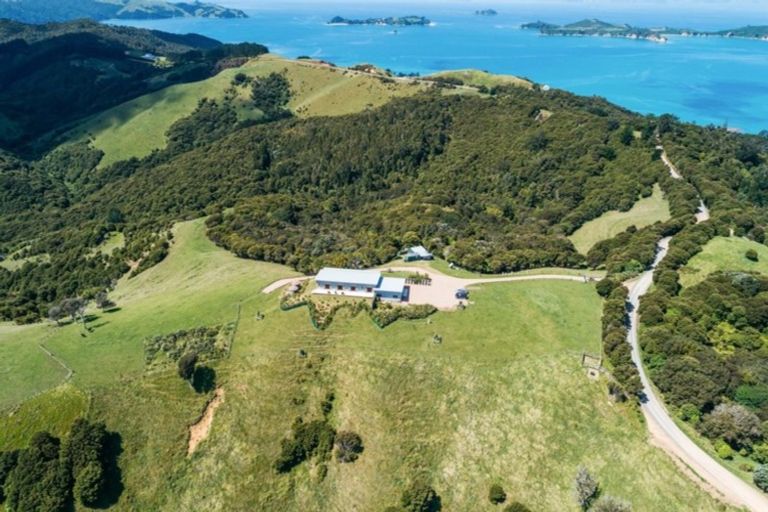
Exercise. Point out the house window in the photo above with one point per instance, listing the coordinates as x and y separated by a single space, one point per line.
369 290
353 288
327 287
339 287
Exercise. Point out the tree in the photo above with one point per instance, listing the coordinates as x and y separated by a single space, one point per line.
271 94
349 446
89 484
7 463
40 481
102 300
74 307
186 366
55 314
605 287
627 136
496 494
586 488
751 255
611 504
760 477
734 423
420 497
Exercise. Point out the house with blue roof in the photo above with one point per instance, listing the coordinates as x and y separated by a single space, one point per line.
366 284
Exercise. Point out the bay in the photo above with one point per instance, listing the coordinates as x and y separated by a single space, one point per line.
704 80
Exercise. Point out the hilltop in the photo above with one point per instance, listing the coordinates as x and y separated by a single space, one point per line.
43 11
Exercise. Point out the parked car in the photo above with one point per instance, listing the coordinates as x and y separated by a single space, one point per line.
462 293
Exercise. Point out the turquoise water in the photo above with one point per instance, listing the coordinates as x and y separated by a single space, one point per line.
704 80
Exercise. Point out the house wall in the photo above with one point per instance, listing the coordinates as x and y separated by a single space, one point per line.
389 296
345 287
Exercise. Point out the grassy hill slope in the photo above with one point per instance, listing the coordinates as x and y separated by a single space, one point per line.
502 399
724 253
137 127
645 212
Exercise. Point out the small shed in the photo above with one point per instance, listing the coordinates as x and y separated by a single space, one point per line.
418 253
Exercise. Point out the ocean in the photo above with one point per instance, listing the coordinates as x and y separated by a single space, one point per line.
704 80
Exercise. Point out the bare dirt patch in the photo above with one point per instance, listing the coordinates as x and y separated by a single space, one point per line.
199 431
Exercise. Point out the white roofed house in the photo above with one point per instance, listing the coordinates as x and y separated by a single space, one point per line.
416 253
360 283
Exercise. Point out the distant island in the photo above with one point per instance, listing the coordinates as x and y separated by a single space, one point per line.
404 21
486 12
45 11
595 27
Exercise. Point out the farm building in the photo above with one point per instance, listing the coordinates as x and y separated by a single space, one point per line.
360 283
416 253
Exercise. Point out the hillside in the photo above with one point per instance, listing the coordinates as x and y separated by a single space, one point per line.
94 67
147 226
319 90
408 398
44 11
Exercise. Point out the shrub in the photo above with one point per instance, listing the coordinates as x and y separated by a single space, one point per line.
760 477
496 494
760 453
690 413
586 488
751 255
186 365
349 446
322 472
724 451
605 287
516 506
420 497
311 439
611 504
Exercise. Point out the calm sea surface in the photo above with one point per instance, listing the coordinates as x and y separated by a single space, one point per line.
705 80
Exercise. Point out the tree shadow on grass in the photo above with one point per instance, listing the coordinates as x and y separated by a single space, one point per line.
204 379
113 476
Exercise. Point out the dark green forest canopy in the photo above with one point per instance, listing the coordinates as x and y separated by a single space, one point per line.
481 180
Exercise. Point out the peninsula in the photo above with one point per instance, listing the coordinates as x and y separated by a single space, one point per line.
595 27
45 11
404 21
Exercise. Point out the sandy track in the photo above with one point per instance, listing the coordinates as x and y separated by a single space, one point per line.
200 430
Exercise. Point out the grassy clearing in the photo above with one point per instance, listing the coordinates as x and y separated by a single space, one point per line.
12 264
115 240
198 285
502 399
723 253
56 409
136 128
645 212
483 78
